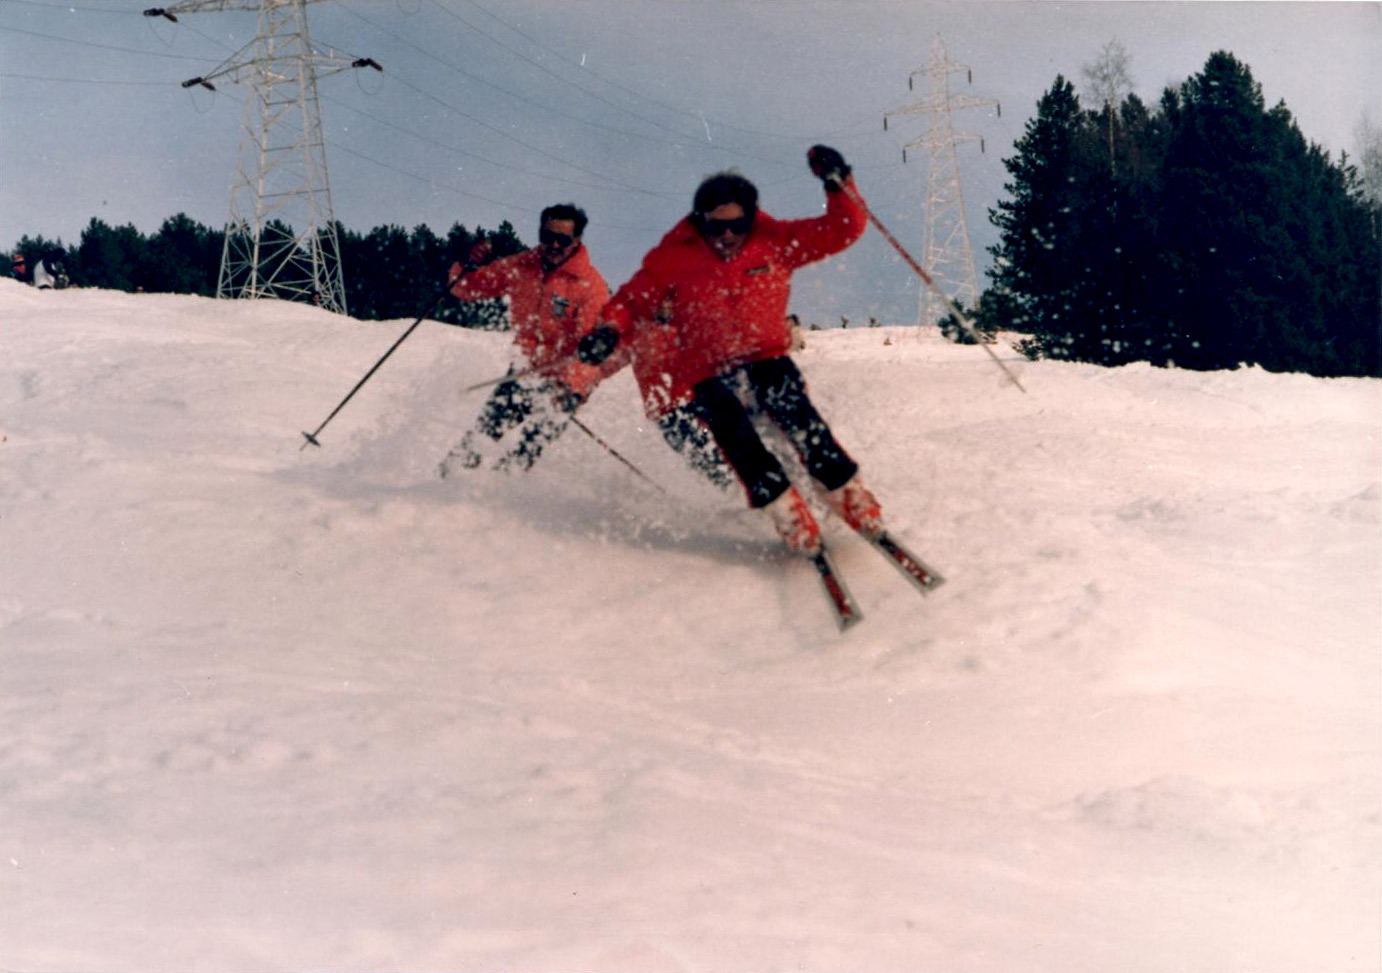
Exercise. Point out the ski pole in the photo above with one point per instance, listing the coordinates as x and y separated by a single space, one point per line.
928 280
615 453
311 437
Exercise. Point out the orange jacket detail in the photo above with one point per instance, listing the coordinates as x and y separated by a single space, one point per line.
550 312
725 313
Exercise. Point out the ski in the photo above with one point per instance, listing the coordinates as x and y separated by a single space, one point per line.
925 578
847 611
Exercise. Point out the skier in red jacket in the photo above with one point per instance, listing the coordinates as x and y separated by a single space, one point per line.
726 271
555 295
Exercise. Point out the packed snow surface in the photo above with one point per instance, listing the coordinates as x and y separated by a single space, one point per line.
273 709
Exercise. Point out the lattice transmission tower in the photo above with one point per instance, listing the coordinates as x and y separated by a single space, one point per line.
946 252
281 238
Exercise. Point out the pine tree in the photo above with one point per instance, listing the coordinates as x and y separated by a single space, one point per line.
1260 230
1035 231
1216 187
184 257
112 257
1058 258
1213 235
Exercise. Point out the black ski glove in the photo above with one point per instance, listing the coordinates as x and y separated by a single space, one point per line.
567 399
828 166
479 254
598 345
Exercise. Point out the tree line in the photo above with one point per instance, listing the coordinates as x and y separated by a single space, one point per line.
389 272
1204 233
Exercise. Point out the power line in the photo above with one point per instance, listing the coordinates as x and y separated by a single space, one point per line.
64 7
37 77
527 145
679 140
697 116
489 84
546 70
104 47
683 138
506 166
503 204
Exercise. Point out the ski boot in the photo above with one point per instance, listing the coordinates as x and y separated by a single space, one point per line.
856 505
795 523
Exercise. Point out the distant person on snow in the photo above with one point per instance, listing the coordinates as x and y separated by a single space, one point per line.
555 295
726 271
19 268
49 272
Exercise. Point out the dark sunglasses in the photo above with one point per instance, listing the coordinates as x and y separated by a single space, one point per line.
738 226
551 238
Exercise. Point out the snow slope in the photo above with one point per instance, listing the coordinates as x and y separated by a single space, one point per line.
276 710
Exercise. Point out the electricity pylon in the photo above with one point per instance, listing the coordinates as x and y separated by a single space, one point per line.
280 238
946 252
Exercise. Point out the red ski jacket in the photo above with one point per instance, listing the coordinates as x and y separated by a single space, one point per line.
550 312
725 313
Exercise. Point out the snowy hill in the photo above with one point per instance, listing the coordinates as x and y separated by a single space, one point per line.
272 709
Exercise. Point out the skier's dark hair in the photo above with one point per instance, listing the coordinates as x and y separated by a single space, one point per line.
564 211
722 188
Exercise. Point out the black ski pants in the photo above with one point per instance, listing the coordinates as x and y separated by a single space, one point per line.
778 389
540 411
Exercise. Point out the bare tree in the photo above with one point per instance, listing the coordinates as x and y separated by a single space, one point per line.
1369 140
1109 82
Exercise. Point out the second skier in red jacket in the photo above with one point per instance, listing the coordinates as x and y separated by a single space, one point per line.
554 295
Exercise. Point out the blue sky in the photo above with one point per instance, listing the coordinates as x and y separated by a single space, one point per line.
489 109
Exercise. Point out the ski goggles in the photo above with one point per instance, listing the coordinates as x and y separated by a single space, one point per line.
739 226
551 238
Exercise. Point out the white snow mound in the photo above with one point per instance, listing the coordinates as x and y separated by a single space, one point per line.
281 709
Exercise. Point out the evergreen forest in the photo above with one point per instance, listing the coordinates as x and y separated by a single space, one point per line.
389 273
1202 233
